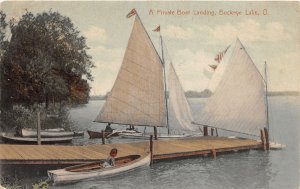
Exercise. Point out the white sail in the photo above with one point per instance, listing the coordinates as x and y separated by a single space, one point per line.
137 96
238 103
178 102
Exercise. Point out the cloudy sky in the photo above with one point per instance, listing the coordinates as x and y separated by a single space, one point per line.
192 41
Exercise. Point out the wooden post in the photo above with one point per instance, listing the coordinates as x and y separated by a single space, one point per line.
212 131
155 133
263 139
151 149
103 137
38 128
267 138
205 131
213 153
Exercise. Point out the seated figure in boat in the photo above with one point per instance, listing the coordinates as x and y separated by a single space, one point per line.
110 161
131 128
108 129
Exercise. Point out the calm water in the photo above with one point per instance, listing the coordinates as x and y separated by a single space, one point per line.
252 169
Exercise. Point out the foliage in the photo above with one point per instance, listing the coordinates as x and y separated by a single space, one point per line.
21 117
10 183
46 60
3 26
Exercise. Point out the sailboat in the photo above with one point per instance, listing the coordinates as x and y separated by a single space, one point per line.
178 105
138 96
239 103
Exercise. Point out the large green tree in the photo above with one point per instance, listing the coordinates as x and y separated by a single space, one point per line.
3 46
46 60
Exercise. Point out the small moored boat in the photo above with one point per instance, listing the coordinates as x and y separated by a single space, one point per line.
22 140
96 170
50 133
147 136
96 134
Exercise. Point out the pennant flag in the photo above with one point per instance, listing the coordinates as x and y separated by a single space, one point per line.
157 29
131 13
220 55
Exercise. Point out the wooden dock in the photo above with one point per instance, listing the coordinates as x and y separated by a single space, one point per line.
162 150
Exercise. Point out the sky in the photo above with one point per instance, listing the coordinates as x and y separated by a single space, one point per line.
191 40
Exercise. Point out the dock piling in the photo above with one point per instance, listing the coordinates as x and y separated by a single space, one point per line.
38 128
103 137
205 131
151 149
263 139
267 138
155 132
214 153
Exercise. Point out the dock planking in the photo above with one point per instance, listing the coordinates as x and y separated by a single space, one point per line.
162 150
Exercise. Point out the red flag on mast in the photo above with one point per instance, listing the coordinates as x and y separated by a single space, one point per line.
157 29
131 13
220 55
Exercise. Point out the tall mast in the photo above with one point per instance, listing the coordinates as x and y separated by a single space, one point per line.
166 99
267 108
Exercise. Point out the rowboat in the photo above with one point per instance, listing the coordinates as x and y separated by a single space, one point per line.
12 139
96 170
96 134
26 132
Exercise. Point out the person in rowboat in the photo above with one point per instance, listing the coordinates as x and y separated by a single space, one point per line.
108 128
110 161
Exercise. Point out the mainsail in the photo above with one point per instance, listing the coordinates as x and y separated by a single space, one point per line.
238 103
137 96
178 102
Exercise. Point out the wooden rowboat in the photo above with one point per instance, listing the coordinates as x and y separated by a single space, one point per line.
96 170
96 134
50 133
21 140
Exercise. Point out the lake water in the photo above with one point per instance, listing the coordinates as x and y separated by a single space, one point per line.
252 169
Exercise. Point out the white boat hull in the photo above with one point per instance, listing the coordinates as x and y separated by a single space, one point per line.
62 176
143 136
47 134
276 146
23 140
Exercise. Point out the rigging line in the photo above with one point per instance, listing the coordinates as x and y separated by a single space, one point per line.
266 94
137 16
225 129
167 52
165 82
251 60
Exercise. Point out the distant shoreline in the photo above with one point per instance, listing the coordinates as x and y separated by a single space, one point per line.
206 93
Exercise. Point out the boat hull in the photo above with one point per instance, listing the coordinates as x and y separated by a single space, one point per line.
63 176
22 140
50 133
95 134
143 136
